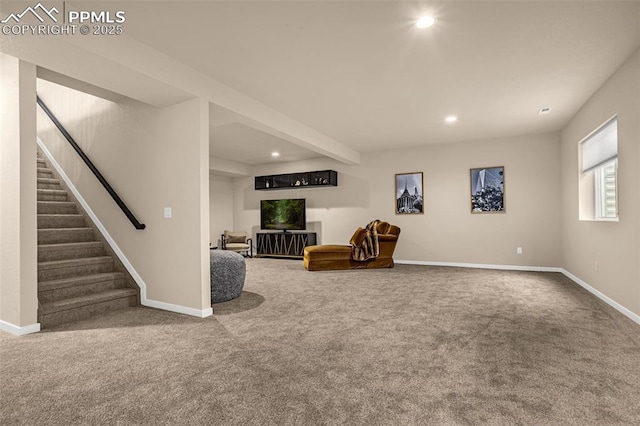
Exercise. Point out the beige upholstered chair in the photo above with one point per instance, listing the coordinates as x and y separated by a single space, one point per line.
238 242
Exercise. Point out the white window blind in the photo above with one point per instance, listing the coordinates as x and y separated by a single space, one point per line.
601 146
606 192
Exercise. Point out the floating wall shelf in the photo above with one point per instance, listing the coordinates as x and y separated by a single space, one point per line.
297 180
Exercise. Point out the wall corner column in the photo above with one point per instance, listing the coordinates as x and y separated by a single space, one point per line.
18 205
204 207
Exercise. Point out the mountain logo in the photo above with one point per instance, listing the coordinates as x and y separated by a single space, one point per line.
38 10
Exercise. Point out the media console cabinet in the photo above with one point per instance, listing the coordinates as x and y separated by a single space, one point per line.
284 244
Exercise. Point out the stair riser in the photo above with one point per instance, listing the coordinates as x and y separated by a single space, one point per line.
50 320
63 221
45 173
57 208
54 295
53 197
46 253
73 270
40 163
51 236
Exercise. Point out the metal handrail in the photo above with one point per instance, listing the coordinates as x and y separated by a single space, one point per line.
91 166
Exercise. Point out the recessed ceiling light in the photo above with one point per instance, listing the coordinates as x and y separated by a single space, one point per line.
451 119
275 154
544 111
425 22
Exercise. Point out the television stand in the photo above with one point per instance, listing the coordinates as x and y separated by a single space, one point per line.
284 244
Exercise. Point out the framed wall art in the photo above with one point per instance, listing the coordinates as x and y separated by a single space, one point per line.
409 193
487 190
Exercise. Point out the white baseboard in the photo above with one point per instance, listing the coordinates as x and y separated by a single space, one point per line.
624 311
618 307
482 266
201 313
17 330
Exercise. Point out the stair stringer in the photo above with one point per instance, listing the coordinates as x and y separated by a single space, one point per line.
132 278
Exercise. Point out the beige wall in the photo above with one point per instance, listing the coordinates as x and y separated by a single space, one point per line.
220 206
154 158
614 245
18 234
447 231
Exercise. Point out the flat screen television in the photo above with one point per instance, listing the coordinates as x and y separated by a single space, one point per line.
284 215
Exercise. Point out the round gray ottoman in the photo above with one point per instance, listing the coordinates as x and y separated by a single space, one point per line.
227 270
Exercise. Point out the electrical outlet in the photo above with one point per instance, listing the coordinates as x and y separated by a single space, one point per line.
519 250
167 212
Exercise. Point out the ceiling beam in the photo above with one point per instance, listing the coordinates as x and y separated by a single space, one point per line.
158 79
229 168
129 52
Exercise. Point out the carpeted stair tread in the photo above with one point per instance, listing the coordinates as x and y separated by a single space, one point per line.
78 281
57 207
48 183
80 244
53 264
57 215
52 191
47 220
52 195
69 250
91 299
82 285
48 180
62 235
57 269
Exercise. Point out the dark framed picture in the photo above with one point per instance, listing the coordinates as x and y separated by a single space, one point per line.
487 190
409 193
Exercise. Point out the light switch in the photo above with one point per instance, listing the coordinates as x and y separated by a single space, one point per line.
167 212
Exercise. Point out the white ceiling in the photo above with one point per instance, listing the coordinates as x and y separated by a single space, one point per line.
362 74
245 144
234 138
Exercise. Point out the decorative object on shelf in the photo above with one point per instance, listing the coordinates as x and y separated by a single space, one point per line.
296 180
409 195
487 190
284 244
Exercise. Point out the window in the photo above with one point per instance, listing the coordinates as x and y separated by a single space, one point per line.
605 190
599 173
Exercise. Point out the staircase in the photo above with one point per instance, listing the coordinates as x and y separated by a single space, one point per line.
77 278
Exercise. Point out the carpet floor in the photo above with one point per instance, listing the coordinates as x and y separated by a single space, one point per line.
413 345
